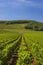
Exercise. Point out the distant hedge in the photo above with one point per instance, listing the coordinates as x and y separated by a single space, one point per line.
34 27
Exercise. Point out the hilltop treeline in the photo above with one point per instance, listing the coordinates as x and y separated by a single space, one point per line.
30 24
34 27
37 26
14 22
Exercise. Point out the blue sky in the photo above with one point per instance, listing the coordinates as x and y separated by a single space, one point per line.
21 10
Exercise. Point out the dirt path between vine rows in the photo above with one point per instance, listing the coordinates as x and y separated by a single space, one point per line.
14 57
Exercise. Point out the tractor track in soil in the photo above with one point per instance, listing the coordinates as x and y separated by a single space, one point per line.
33 60
14 57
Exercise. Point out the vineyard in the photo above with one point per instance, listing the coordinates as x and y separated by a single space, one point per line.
21 48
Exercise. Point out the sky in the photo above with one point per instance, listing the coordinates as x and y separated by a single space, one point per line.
21 10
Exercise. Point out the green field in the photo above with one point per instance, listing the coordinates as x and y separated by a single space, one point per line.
20 46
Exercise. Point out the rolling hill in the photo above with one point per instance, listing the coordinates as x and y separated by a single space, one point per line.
22 24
